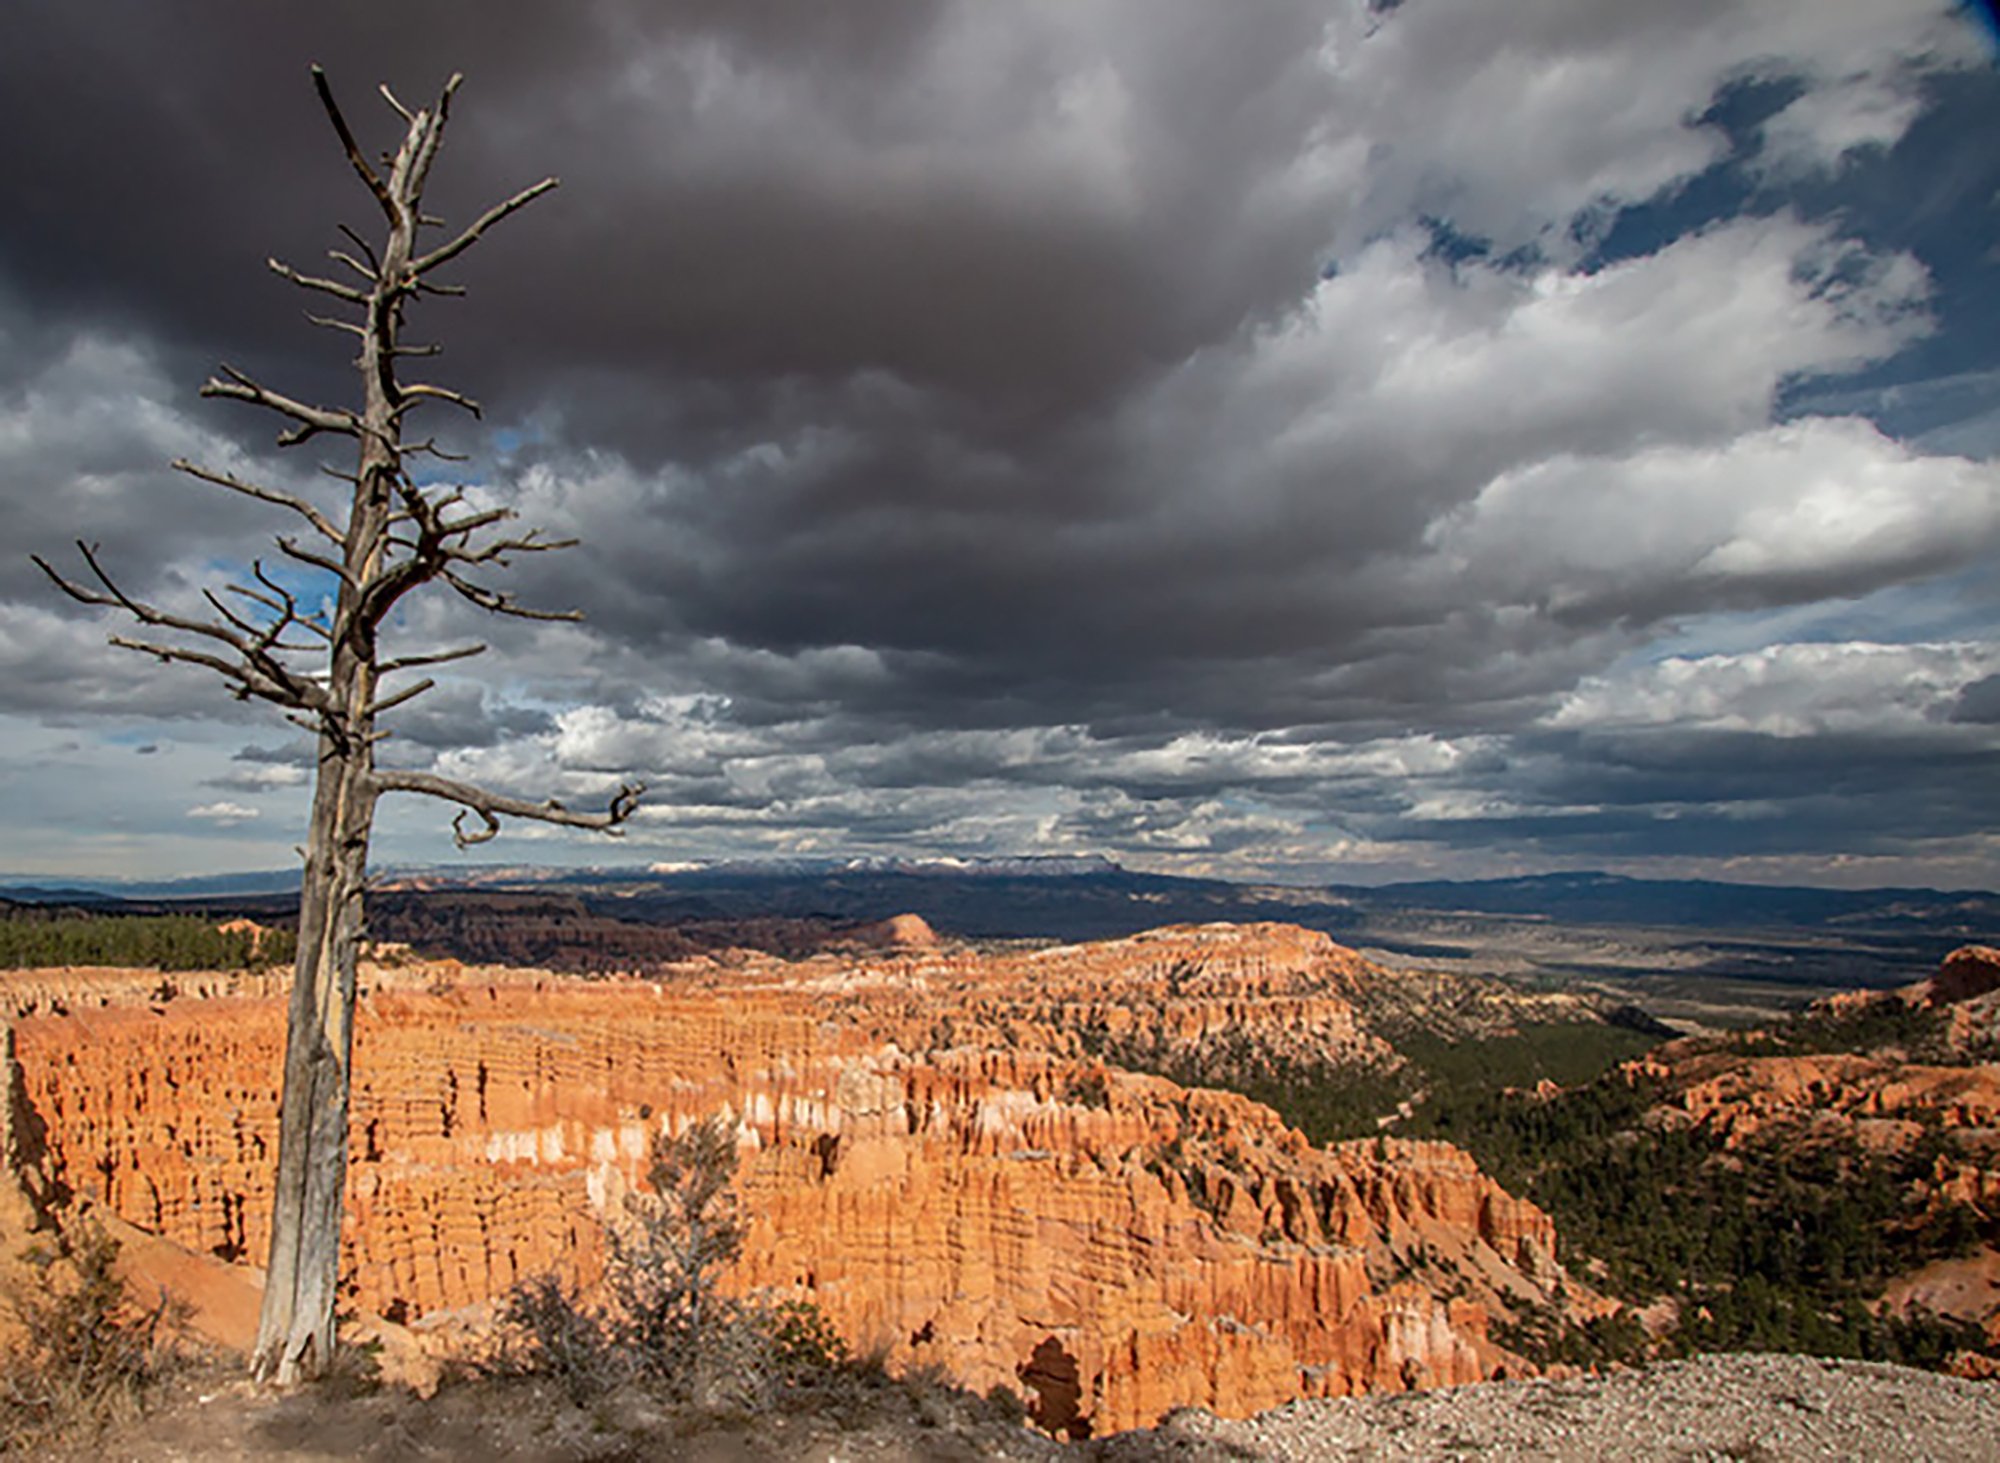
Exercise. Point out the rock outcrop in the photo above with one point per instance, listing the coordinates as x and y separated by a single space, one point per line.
1878 1097
1908 1074
930 1153
1968 973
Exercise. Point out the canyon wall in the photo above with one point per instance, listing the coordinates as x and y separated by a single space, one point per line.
929 1154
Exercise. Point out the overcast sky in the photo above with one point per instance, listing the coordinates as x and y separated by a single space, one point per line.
1309 441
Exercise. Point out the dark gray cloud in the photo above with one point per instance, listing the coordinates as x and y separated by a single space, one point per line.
462 715
1979 701
1060 427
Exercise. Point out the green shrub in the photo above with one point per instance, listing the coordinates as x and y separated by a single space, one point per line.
804 1344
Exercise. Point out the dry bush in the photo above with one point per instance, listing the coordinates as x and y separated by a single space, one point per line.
547 1332
87 1355
667 1331
664 1275
665 1324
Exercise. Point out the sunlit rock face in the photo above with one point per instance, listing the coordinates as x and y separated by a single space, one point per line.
928 1153
1885 1091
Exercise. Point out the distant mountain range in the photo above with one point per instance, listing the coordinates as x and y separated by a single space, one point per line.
1593 898
1087 897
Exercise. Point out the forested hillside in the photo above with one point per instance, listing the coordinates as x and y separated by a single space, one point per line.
1761 1191
36 938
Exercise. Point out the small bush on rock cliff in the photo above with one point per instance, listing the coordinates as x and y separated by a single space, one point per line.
667 1328
667 1308
85 1356
666 1323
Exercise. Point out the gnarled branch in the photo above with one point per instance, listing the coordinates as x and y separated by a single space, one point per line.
257 669
435 657
361 165
429 140
341 256
501 603
281 601
422 391
530 542
489 807
430 448
248 683
457 527
327 322
367 249
320 522
408 116
291 550
311 419
332 287
269 638
408 693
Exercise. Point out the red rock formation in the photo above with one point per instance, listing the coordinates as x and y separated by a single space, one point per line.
1739 1097
929 1154
898 932
1886 1099
63 988
1968 972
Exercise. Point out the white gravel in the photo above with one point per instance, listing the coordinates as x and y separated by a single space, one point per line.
1763 1408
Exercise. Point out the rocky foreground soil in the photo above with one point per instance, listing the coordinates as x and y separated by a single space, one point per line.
1713 1407
1765 1408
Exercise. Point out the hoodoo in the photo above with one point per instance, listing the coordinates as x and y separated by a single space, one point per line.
929 1155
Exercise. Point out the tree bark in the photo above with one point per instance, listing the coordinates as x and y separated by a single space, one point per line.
295 1329
399 534
295 1332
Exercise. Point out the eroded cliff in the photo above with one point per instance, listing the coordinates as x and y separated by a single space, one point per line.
930 1155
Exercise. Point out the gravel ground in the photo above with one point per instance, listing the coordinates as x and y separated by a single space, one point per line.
1763 1408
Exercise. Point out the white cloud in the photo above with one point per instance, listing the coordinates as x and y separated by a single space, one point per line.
261 777
1405 375
1791 691
224 813
1513 120
86 436
63 667
1813 507
1823 128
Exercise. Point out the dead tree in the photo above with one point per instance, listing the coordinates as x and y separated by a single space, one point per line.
326 672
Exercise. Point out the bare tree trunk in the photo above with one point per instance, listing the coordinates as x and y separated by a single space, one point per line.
399 533
295 1330
295 1339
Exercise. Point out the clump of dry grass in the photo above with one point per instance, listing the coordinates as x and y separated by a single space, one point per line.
87 1354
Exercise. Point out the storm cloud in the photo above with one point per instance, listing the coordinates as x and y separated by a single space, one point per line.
1318 440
